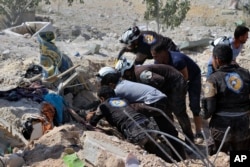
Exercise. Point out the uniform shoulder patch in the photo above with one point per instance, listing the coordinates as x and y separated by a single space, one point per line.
145 76
209 90
116 102
149 39
234 82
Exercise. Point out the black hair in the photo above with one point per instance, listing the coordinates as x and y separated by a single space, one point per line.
158 47
224 53
110 78
240 31
136 31
106 92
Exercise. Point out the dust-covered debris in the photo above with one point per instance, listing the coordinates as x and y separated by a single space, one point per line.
99 23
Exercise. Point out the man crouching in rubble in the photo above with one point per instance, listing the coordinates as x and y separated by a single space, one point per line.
226 101
133 125
166 79
146 99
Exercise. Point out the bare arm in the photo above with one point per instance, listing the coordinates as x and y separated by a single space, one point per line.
140 58
184 72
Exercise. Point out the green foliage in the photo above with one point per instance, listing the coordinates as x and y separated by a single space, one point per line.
152 9
171 13
70 2
12 9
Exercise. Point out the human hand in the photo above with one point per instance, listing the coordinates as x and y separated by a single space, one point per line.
89 116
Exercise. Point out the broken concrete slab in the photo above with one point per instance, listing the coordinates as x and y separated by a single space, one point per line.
194 44
32 28
15 138
95 150
12 160
99 149
93 48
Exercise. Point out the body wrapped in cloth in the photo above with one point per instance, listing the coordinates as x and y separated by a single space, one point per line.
55 62
52 60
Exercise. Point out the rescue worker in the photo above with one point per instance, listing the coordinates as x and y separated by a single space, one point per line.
236 43
166 79
191 73
130 123
226 101
142 95
140 42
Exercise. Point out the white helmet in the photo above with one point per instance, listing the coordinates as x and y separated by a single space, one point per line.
224 40
123 64
130 35
104 71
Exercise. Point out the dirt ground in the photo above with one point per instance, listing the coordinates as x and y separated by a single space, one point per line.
111 17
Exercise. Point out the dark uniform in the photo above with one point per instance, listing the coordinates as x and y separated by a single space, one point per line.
117 112
171 82
120 114
149 97
145 41
179 61
226 94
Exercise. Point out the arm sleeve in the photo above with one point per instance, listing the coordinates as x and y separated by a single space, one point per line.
209 104
124 49
180 65
209 107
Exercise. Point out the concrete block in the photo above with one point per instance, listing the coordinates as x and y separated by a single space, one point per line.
98 150
32 28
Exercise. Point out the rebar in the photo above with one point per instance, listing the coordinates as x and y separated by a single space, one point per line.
205 138
193 145
151 138
1 162
170 145
222 142
181 142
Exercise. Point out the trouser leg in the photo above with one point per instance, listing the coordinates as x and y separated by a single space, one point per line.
177 104
194 93
168 128
153 149
185 124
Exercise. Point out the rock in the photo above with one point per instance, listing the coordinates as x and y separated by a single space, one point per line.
69 150
93 49
86 36
195 44
111 162
132 161
27 35
13 160
6 52
75 31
